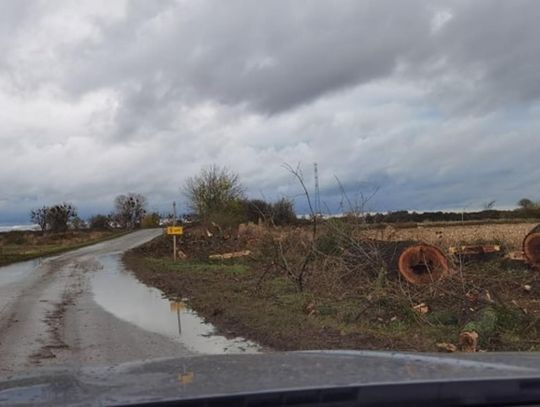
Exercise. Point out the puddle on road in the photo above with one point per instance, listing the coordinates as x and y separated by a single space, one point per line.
17 271
121 294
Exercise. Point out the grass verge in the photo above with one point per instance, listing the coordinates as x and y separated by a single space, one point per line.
343 309
276 315
28 250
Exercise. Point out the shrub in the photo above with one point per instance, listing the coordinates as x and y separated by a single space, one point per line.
39 216
99 222
77 223
215 195
129 210
59 216
15 237
256 209
283 212
151 220
229 216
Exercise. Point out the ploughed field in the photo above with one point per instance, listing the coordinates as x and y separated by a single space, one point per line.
509 235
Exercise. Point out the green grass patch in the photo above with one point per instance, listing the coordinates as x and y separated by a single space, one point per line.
195 266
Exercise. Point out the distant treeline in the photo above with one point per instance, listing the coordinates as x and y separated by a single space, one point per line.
488 214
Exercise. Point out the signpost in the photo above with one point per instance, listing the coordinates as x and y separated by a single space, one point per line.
174 231
178 306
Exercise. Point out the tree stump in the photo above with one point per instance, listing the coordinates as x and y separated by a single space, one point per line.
531 247
418 263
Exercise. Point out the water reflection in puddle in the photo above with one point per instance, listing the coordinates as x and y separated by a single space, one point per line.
121 294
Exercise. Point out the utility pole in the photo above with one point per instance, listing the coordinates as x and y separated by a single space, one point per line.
317 191
174 224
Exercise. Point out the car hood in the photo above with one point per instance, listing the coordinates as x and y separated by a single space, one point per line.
226 375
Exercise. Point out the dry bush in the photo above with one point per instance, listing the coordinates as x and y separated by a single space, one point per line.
287 252
15 237
332 260
325 255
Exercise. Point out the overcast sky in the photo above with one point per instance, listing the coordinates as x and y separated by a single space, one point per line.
436 103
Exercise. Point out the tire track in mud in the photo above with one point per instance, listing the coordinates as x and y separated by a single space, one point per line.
24 331
55 318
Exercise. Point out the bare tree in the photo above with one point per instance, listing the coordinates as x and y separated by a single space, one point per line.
59 216
39 216
336 243
55 218
129 210
297 173
295 254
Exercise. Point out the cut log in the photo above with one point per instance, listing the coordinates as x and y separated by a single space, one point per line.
418 263
531 247
422 264
516 255
474 250
232 255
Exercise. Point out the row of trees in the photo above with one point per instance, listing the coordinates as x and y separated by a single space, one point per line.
527 209
215 195
406 216
129 213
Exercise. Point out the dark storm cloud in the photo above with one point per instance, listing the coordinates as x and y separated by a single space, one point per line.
277 55
270 55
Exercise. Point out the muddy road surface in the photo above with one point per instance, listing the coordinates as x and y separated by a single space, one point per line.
83 308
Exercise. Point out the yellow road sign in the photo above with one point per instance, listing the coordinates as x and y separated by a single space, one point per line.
177 306
175 230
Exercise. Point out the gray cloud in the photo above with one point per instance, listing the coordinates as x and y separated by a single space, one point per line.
276 55
269 55
430 100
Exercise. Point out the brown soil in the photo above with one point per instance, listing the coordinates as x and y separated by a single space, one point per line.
195 244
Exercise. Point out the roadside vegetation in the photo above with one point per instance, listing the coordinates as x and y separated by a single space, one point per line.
61 228
253 269
26 245
342 304
216 198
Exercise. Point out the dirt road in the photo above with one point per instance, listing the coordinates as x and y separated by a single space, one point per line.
48 313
